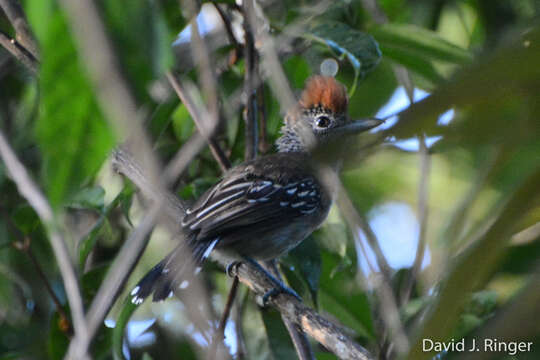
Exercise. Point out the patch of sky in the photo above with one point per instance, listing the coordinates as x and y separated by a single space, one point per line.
399 102
396 228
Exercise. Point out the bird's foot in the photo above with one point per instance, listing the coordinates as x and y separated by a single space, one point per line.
280 288
232 266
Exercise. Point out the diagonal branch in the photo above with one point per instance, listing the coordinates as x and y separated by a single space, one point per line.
326 333
188 102
29 190
23 33
19 52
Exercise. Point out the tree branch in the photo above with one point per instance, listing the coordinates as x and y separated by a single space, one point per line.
22 244
250 79
29 190
184 96
17 18
329 335
19 52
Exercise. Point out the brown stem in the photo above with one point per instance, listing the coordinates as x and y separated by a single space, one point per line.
19 52
17 18
298 337
264 145
228 27
219 335
186 99
423 193
23 244
250 114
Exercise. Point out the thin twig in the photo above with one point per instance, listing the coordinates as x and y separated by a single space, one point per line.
228 27
29 190
23 244
329 335
238 330
270 60
219 334
17 18
264 145
132 249
404 78
423 194
201 56
298 337
184 96
19 52
250 113
121 110
389 311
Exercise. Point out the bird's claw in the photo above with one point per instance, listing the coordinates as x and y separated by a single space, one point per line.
280 288
233 266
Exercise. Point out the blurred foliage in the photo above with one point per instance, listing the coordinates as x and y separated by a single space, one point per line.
477 57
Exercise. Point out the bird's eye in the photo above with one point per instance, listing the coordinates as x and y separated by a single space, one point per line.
322 122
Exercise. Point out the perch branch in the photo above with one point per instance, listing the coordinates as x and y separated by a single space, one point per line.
328 334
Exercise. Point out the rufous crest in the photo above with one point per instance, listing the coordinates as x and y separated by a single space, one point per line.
325 92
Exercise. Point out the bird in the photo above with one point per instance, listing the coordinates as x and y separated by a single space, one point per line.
263 208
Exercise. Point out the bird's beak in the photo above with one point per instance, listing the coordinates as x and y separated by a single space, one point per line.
358 126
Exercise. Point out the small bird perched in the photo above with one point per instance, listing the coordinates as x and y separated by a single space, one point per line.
263 208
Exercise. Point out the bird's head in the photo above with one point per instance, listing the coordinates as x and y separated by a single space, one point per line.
320 117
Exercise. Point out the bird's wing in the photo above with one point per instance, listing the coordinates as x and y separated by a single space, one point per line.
248 199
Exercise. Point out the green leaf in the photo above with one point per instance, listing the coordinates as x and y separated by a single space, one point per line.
359 48
475 265
415 42
341 296
57 340
92 280
498 81
280 342
183 126
90 197
88 243
71 131
147 55
128 308
305 259
297 70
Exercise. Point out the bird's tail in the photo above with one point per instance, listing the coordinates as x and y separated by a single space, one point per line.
172 273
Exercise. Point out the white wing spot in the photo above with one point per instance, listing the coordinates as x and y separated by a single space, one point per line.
135 290
303 193
184 284
291 191
165 271
137 300
298 204
283 203
209 249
